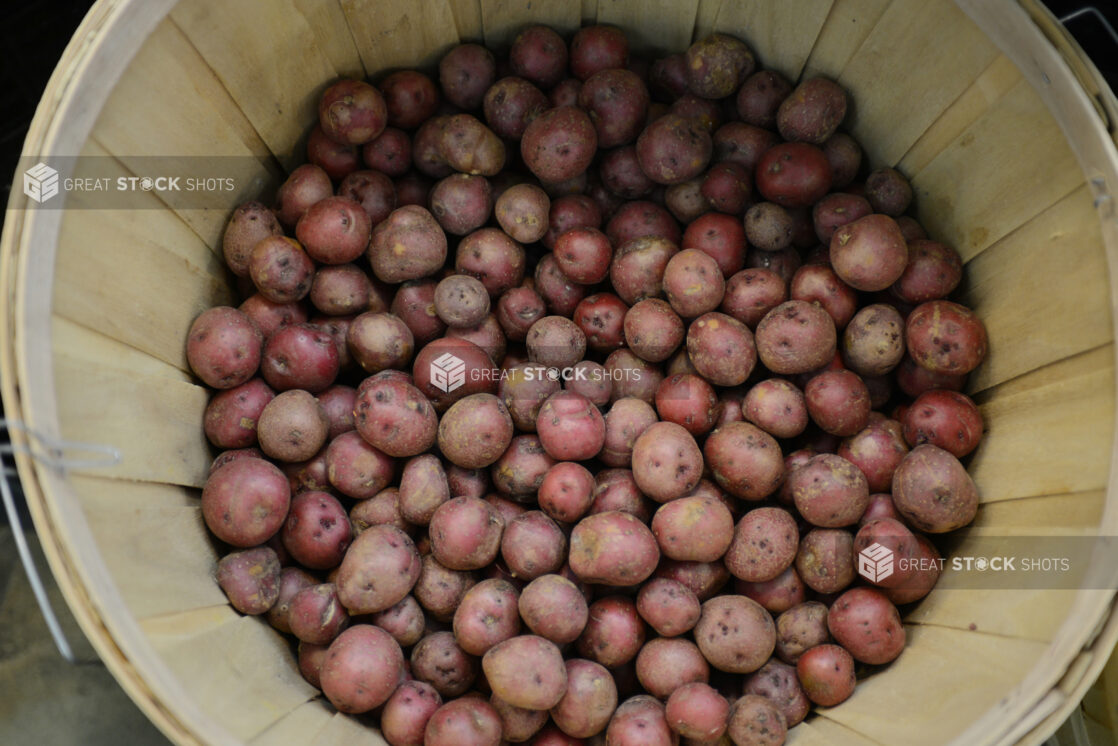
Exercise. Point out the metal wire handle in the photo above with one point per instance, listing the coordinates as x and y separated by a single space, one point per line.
52 453
1094 12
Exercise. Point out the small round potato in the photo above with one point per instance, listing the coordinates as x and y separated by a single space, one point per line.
526 671
735 634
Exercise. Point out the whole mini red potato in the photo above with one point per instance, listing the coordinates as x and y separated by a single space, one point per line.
764 544
231 416
520 470
559 144
825 559
554 608
933 491
744 460
829 491
404 621
867 624
589 701
818 283
777 407
945 337
946 419
362 669
378 570
492 257
439 590
408 245
721 237
475 431
793 174
438 661
812 112
223 347
533 545
693 283
873 342
597 48
373 191
469 720
799 629
751 294
334 231
688 400
511 104
697 711
406 713
570 427
898 539
796 337
667 461
614 632
317 531
717 65
486 616
317 616
517 724
870 253
396 418
668 606
389 153
567 491
539 54
613 548
826 672
352 112
934 270
673 149
617 102
735 634
526 671
466 533
776 682
721 348
583 254
304 186
838 402
250 223
250 579
877 450
245 502
666 663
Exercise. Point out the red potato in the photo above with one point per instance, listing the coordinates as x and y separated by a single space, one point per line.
269 316
407 245
668 77
876 450
317 617
486 616
223 347
888 191
469 146
250 223
632 377
381 508
361 669
818 283
697 711
511 104
881 506
796 337
764 545
933 271
933 491
597 48
317 531
231 415
533 545
461 301
673 149
560 293
838 401
799 629
340 290
518 308
304 186
694 529
777 683
914 379
522 211
721 237
704 579
867 624
250 579
613 548
869 253
410 98
540 55
559 144
404 621
640 219
735 634
439 590
836 210
466 533
778 594
760 97
583 255
300 356
475 431
829 491
407 712
291 581
570 427
845 156
589 700
777 407
640 721
438 661
873 343
717 66
945 337
357 469
637 270
332 231
555 342
432 371
728 187
567 491
929 564
517 724
470 721
526 671
244 502
309 475
378 571
894 536
652 330
554 608
617 102
524 388
570 211
721 348
388 153
794 174
946 419
667 461
825 559
768 226
427 150
465 72
742 143
520 470
423 488
352 112
693 283
616 489
744 460
666 663
591 380
689 401
812 111
414 304
292 426
396 418
380 341
751 293
668 606
461 203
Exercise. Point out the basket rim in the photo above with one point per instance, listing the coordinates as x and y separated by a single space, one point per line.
89 70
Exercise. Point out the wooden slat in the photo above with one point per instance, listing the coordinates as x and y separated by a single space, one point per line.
328 23
280 98
170 103
671 33
1021 287
93 348
892 69
503 19
467 19
590 12
301 725
242 674
1025 614
847 26
348 729
705 17
994 82
154 421
117 272
161 555
1008 166
819 731
171 630
942 681
781 34
395 35
1052 438
1048 512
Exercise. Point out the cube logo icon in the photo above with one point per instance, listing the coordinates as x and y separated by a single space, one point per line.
875 563
448 372
40 182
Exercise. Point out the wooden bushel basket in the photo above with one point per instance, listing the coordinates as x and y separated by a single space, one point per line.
985 104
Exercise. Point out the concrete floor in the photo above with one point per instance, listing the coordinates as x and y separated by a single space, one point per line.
44 700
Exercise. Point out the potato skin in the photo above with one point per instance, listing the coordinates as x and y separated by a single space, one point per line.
245 502
667 461
475 431
793 174
533 545
869 253
838 402
250 223
666 663
395 417
223 347
406 713
796 337
695 529
589 700
352 112
250 579
614 632
697 711
559 144
438 661
570 428
361 669
934 270
408 245
877 450
873 342
466 533
735 634
933 491
799 629
668 606
946 419
717 65
744 460
554 608
776 406
613 548
825 559
486 616
640 721
812 112
945 337
764 544
673 149
867 624
317 531
752 293
721 348
693 283
526 671
469 720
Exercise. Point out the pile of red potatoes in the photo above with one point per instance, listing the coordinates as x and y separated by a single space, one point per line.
568 390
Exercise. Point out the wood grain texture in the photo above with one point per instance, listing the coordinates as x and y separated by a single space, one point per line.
400 35
908 96
328 23
846 27
1008 166
467 19
504 19
302 725
781 34
99 351
1022 288
673 35
706 15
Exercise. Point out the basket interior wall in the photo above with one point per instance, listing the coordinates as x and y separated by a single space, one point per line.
993 176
